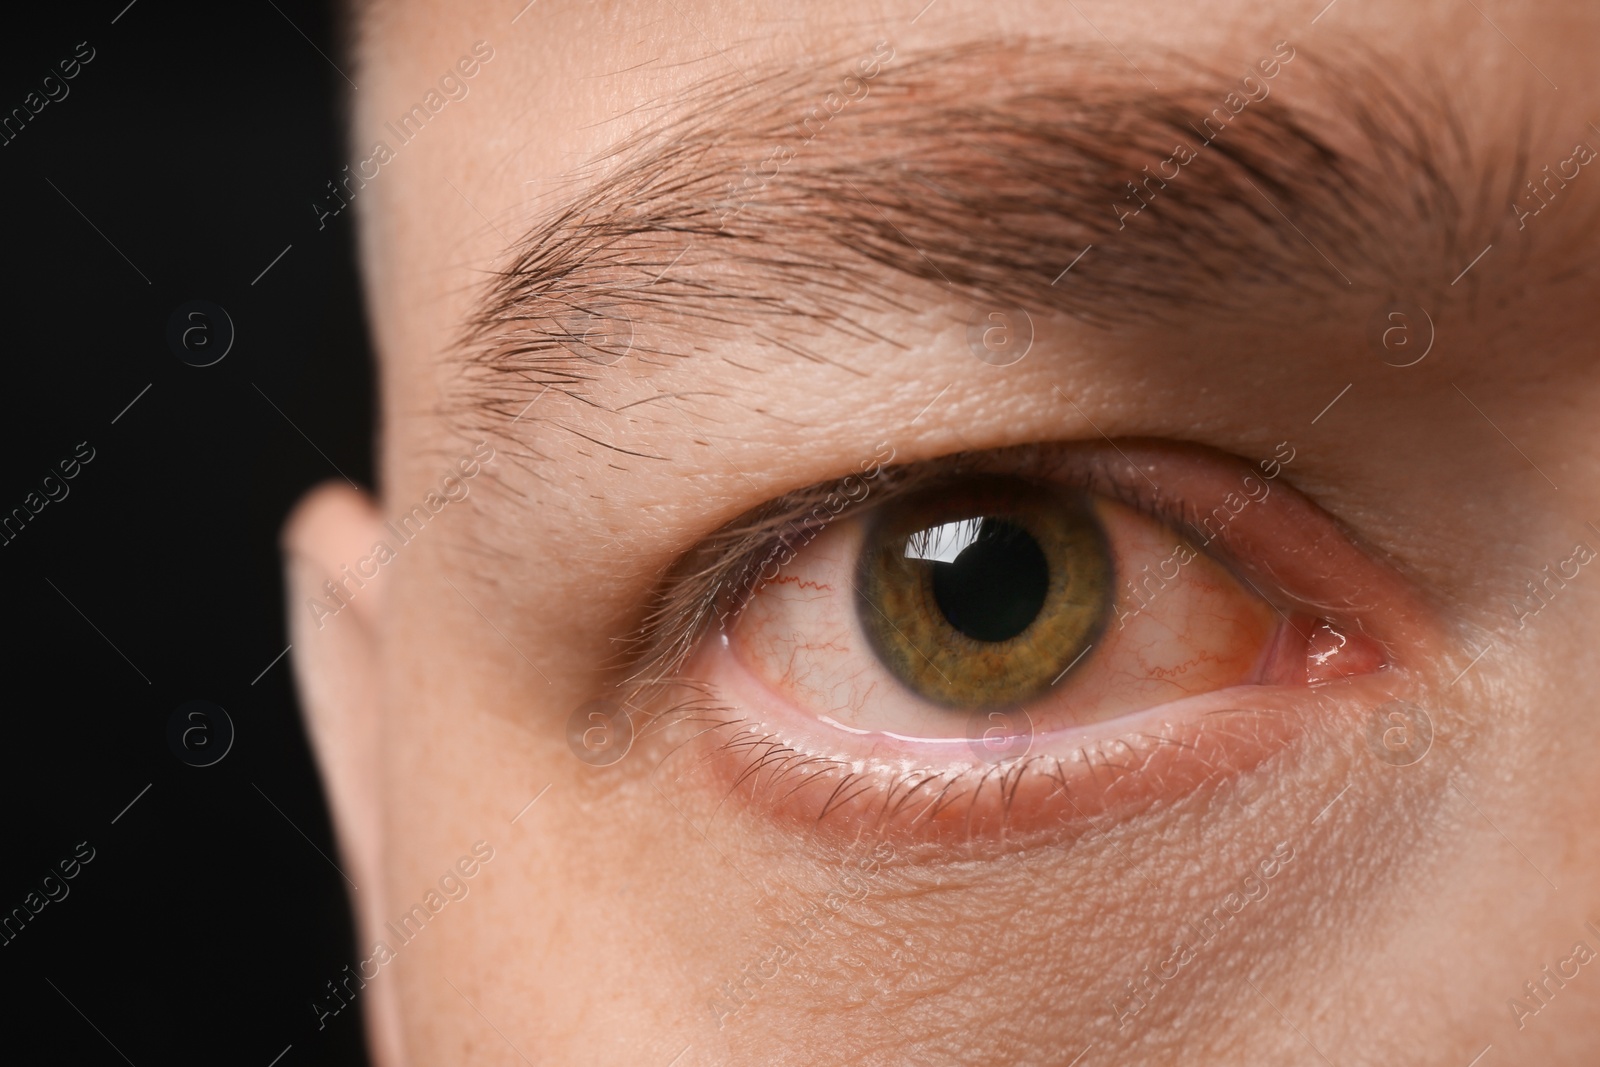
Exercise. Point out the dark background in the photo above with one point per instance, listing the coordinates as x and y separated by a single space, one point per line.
184 159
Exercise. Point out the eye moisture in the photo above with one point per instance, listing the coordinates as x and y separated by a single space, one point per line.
980 595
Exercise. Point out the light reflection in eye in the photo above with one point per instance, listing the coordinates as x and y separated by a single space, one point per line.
944 543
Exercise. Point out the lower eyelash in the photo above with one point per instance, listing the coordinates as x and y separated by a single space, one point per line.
910 801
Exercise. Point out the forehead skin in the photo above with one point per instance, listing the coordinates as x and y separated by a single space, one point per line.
610 915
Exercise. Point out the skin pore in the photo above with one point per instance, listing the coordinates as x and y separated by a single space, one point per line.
668 263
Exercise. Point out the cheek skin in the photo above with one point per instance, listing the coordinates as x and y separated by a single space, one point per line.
937 923
929 932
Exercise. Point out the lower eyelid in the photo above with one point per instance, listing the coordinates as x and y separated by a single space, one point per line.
840 786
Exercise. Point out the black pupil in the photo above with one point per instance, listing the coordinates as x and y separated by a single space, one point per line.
996 585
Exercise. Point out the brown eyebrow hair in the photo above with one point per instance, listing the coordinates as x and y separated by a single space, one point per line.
983 171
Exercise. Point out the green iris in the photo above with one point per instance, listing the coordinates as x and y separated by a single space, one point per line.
980 594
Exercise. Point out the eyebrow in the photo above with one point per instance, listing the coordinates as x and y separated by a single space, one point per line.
1031 174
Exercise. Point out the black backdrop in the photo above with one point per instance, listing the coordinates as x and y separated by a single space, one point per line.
181 164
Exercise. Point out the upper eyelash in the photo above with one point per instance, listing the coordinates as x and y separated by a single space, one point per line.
694 593
703 588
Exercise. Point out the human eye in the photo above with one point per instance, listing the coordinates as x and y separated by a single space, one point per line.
1030 637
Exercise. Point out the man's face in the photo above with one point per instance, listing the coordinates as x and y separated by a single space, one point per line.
1013 533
